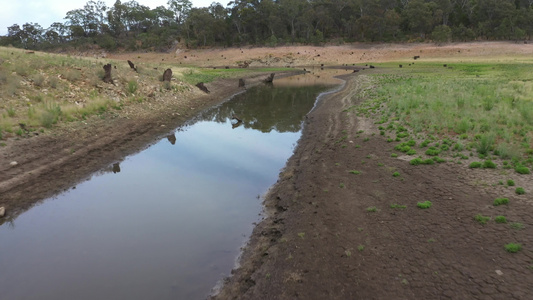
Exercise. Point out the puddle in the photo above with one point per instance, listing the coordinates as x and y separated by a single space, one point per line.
168 222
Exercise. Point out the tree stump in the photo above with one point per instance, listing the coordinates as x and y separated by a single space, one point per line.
107 76
270 78
167 76
241 82
202 87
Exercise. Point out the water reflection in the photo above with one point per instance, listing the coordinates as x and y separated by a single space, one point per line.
170 226
267 107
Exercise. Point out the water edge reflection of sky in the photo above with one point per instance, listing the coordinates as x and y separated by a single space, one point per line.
167 226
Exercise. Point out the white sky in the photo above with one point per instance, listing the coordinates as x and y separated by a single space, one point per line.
46 12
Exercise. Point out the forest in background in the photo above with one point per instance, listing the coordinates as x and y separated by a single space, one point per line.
133 27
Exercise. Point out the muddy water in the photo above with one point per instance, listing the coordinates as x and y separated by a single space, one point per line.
168 222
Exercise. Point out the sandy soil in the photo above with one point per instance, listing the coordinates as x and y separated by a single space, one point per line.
318 240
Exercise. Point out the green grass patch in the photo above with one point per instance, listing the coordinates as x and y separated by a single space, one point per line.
513 247
424 205
500 219
501 201
520 191
372 209
482 219
489 164
396 174
398 206
354 172
510 182
522 170
517 225
475 165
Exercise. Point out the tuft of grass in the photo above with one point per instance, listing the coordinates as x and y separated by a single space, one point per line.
394 155
517 225
481 219
361 247
475 165
500 219
132 86
432 151
396 174
341 185
522 170
398 206
11 112
513 247
520 191
372 209
489 164
354 172
501 201
301 234
72 75
424 205
510 182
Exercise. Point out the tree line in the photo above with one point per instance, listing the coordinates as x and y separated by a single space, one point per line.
133 26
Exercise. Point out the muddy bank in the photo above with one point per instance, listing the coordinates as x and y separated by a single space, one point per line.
49 164
341 226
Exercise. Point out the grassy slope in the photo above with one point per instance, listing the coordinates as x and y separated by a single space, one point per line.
39 90
482 109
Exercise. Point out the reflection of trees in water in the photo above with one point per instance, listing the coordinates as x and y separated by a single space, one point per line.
266 108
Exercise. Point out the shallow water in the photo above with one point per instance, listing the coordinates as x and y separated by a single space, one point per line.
168 222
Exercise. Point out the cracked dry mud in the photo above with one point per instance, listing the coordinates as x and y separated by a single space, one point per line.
320 242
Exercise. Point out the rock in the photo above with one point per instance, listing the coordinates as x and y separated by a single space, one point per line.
499 272
13 163
2 212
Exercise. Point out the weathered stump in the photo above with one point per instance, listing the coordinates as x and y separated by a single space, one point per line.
107 76
416 57
241 82
270 78
116 168
202 87
167 75
371 67
401 66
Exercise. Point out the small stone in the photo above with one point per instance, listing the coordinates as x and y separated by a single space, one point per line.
2 212
13 163
499 272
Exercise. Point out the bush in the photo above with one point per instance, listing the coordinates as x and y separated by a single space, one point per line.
416 161
441 34
38 79
132 86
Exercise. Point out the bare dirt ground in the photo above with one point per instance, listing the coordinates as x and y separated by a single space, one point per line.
318 240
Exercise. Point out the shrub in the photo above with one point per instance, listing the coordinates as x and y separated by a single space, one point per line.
424 205
475 164
501 201
513 248
38 79
520 191
510 182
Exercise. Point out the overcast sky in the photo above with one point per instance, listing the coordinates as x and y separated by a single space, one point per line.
46 12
